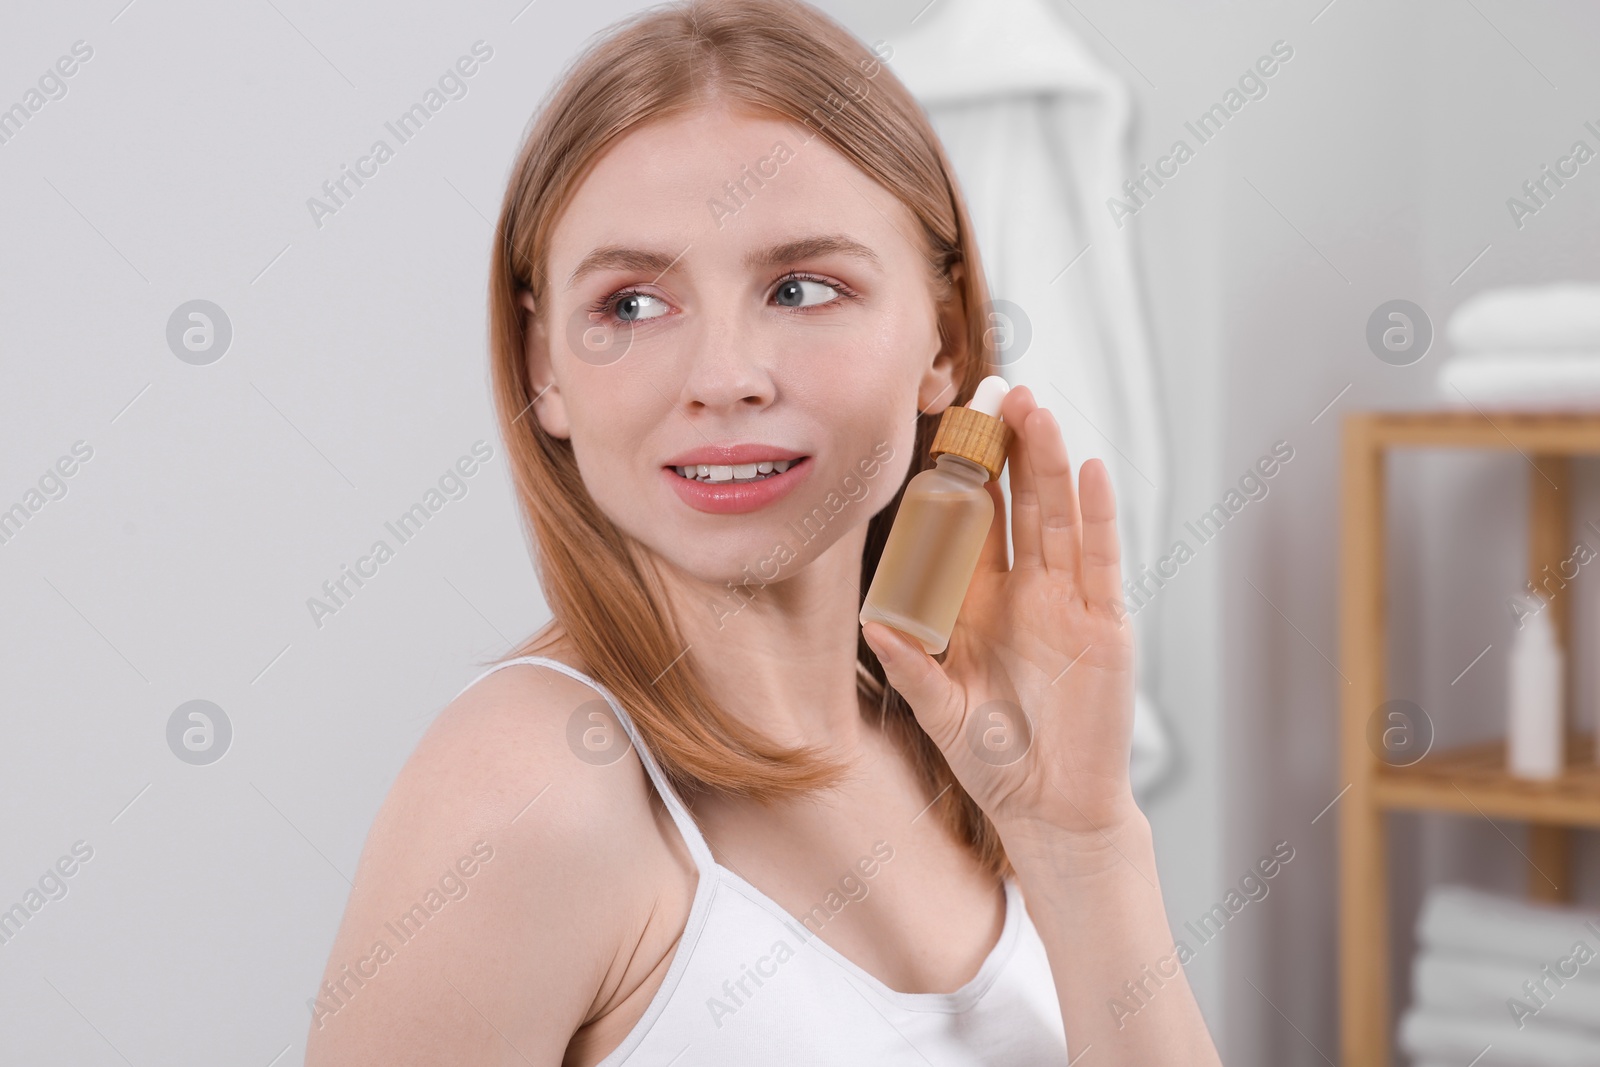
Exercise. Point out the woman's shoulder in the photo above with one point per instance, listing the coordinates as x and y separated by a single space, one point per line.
511 730
567 861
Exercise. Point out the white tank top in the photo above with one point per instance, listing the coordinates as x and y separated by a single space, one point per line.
749 983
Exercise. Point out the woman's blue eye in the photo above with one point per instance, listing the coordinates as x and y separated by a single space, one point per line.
634 306
631 307
794 292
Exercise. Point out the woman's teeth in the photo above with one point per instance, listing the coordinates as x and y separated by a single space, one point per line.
741 472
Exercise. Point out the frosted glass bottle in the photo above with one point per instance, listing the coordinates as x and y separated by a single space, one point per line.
1534 727
932 550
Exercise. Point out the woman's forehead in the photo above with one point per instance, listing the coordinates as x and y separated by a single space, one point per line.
730 185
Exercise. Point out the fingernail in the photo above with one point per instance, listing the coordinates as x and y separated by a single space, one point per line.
875 644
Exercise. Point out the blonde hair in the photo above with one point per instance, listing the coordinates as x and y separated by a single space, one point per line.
785 59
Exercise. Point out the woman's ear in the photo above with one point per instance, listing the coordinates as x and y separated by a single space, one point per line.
548 406
939 385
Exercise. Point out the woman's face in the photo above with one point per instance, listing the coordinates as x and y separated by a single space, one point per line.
722 294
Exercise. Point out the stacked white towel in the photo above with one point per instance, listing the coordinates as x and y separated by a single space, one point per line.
1519 979
1530 347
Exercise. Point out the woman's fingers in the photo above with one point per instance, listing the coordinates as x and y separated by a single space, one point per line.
1015 408
1102 569
1060 528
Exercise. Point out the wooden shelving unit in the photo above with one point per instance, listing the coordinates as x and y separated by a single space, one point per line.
1472 779
1468 779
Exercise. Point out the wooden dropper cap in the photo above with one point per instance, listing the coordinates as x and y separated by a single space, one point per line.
977 432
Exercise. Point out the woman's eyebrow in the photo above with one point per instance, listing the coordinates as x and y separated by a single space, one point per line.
617 257
609 257
810 247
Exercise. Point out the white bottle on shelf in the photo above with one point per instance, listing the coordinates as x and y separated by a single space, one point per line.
1534 728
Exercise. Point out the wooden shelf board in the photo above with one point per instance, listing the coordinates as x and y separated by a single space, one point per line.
1562 433
1472 779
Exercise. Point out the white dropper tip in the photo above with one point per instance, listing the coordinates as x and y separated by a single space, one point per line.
988 395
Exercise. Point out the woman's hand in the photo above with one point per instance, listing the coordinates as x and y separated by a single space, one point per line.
1033 704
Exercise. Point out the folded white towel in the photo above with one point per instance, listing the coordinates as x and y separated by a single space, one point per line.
1480 986
1475 920
1563 315
1530 380
1429 1033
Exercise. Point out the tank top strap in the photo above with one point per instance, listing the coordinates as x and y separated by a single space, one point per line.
696 842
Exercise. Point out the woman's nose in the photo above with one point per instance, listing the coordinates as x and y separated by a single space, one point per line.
729 365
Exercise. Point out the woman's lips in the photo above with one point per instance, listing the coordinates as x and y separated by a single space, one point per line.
728 498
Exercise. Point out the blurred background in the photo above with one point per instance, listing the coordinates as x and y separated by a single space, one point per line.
214 395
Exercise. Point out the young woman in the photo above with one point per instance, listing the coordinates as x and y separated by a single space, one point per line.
702 817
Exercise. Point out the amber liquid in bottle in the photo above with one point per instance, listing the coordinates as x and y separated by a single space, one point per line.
931 552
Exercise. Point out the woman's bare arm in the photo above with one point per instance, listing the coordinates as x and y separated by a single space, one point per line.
1096 903
483 923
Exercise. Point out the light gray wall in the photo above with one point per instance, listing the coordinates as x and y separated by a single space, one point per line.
219 498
